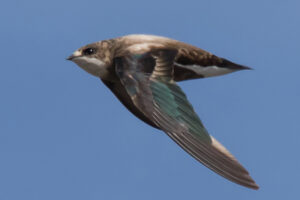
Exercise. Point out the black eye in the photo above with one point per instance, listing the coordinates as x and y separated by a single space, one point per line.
89 51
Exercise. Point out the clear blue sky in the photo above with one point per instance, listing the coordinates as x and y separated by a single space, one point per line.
63 135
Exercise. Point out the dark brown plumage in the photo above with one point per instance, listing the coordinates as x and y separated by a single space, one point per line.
190 63
142 71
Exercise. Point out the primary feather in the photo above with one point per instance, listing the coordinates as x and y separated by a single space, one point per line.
142 71
161 101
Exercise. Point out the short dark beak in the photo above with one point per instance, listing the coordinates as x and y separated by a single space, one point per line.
70 57
74 55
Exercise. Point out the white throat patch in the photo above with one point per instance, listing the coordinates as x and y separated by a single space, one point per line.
93 66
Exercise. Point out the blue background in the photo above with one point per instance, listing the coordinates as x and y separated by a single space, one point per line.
63 135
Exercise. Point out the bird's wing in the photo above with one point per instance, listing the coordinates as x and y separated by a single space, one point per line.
161 100
120 92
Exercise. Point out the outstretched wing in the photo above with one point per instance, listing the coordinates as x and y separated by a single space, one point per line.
160 99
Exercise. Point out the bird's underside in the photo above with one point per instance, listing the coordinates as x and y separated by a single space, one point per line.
142 72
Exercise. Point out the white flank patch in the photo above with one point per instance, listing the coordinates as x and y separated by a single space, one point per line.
143 47
208 70
140 47
93 66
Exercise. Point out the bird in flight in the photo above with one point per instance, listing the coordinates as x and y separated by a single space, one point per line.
142 71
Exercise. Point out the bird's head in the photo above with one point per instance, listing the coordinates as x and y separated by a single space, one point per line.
94 58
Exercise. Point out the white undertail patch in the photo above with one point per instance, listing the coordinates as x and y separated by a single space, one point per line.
207 71
143 47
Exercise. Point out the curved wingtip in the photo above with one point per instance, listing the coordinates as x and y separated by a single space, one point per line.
251 185
163 102
243 177
254 186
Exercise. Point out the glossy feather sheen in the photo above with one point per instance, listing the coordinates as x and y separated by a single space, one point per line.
141 71
162 102
172 101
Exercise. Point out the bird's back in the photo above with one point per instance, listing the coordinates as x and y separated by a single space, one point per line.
190 63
